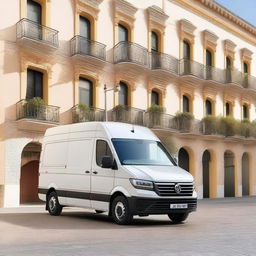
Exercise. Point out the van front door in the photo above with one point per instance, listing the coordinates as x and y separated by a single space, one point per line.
102 179
78 172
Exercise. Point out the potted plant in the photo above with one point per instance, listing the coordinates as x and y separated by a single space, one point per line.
184 121
247 128
228 126
120 113
155 114
210 124
35 108
82 113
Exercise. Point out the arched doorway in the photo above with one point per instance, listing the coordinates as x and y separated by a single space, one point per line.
245 175
206 173
183 158
229 174
29 173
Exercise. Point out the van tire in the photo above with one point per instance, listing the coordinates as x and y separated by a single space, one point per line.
120 211
53 206
178 217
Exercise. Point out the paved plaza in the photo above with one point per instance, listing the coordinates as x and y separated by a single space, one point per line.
219 227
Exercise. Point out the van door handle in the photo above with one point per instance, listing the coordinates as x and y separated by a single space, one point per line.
95 172
87 171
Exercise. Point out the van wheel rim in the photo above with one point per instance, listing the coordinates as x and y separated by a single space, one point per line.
52 203
120 210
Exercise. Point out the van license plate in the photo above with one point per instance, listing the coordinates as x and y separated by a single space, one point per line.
179 206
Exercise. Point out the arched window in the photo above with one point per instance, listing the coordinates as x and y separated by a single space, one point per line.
34 11
228 63
246 68
186 50
228 110
85 27
245 112
154 98
208 107
123 94
34 84
186 104
85 92
123 34
154 42
208 60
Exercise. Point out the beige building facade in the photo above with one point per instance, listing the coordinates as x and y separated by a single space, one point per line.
185 69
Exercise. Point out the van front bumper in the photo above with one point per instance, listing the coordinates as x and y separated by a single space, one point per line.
146 206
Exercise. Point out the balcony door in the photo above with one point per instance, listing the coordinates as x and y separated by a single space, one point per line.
208 63
34 11
154 98
85 33
123 34
123 94
85 92
34 84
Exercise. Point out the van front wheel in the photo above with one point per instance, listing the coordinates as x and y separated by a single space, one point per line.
178 217
120 211
53 205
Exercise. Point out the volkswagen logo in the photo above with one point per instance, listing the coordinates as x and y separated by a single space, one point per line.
177 188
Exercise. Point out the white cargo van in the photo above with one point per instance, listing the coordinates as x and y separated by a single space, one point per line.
113 167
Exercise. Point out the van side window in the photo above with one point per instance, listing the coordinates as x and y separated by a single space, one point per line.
102 149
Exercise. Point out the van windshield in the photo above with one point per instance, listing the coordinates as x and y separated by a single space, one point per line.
142 152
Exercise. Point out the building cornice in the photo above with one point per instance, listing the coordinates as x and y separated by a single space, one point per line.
233 24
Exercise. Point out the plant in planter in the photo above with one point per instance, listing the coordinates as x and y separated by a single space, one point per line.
210 124
35 108
82 113
155 115
247 129
228 126
120 113
184 121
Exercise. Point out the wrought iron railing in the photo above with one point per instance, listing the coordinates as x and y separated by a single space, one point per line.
42 112
127 114
189 67
32 30
80 114
215 74
131 52
84 46
234 77
165 62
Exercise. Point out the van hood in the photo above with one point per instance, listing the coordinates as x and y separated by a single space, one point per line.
160 173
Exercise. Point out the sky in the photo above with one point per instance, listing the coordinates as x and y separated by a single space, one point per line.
246 9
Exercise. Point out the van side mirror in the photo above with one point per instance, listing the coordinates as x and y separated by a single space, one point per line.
106 162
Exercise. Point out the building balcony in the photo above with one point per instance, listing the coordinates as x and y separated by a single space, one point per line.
87 48
126 114
191 68
37 117
38 37
81 113
166 62
127 52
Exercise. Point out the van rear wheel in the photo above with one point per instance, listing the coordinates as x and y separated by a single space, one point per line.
120 211
53 205
178 217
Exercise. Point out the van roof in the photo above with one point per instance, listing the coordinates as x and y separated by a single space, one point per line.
112 130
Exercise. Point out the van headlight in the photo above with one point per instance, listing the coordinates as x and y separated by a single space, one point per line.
142 184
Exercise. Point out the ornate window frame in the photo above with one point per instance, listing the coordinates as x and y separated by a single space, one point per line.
229 51
156 23
246 57
210 44
186 31
124 14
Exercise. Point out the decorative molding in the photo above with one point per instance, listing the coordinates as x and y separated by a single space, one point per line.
120 77
246 55
157 17
124 11
229 48
210 39
187 30
78 71
90 7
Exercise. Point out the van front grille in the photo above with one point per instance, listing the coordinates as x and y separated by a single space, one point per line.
168 189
